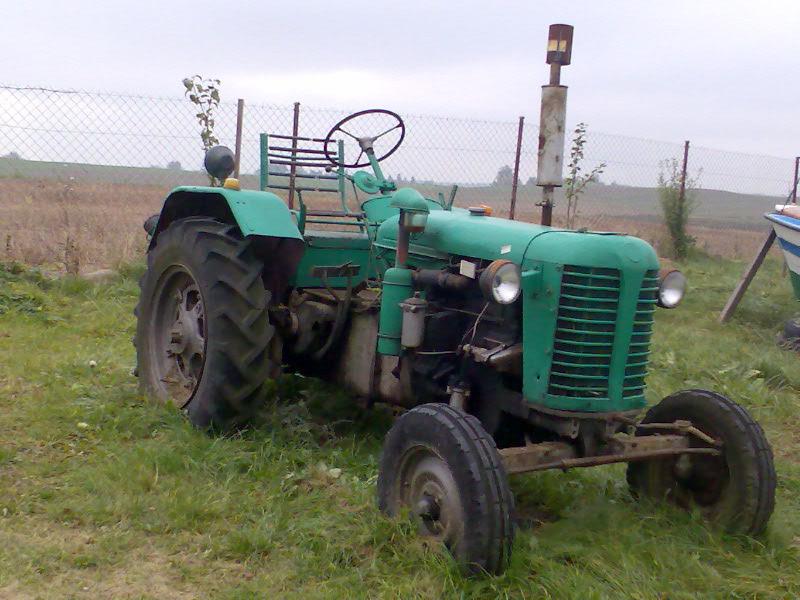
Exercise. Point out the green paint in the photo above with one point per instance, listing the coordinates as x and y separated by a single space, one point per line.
380 209
332 249
409 199
460 233
540 285
397 286
256 213
587 298
588 328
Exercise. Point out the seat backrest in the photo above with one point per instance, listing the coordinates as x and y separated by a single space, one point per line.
286 163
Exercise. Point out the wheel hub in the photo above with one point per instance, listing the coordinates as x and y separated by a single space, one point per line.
427 486
180 336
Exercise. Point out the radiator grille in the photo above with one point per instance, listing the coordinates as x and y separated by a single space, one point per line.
584 339
639 350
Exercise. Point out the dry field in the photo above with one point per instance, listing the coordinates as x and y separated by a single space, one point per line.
81 226
74 227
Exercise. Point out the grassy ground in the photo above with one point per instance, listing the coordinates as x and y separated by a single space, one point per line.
105 494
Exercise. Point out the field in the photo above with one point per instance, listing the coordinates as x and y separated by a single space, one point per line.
75 217
80 225
106 494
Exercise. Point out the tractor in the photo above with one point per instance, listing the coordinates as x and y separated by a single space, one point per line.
506 347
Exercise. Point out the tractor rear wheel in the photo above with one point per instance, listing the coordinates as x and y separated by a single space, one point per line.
736 490
440 464
204 340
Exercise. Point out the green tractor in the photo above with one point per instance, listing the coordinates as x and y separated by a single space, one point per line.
514 347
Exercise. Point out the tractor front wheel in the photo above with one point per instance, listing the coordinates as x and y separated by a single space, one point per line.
735 490
203 338
440 464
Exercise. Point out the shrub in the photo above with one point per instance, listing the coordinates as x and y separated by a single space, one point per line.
676 208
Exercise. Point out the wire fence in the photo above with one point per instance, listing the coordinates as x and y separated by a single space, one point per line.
84 168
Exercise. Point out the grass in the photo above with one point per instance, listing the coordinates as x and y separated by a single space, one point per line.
105 494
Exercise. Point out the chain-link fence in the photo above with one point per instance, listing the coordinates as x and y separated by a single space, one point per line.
79 171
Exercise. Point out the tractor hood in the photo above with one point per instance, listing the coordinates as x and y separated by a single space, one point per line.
460 233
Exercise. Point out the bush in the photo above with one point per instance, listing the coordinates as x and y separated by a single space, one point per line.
676 208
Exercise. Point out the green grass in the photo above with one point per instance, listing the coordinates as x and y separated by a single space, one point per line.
105 494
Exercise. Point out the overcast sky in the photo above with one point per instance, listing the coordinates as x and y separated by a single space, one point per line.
723 73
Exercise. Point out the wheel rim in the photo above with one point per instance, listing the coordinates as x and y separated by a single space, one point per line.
178 335
427 487
699 480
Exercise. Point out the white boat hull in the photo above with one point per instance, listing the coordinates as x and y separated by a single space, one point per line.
787 229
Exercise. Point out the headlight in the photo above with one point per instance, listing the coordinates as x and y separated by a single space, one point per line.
671 289
501 282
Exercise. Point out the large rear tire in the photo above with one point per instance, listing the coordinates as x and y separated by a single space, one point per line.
204 340
735 491
441 464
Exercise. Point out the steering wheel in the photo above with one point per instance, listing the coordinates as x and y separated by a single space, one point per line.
364 142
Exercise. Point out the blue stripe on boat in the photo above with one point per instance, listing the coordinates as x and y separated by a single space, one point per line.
784 220
789 247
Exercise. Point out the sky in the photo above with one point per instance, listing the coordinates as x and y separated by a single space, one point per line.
723 73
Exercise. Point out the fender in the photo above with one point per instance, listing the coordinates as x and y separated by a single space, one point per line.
256 213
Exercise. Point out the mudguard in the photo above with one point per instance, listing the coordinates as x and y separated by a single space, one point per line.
256 213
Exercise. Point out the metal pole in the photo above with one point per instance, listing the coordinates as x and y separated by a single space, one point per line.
547 190
555 74
683 171
293 167
516 169
547 205
238 154
794 187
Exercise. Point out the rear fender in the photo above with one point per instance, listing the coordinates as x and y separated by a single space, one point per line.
262 217
255 213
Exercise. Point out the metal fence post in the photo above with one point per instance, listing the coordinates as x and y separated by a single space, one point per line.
794 187
238 151
516 168
293 167
682 196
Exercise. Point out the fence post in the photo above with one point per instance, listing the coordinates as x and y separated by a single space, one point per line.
516 169
682 196
238 151
293 167
794 187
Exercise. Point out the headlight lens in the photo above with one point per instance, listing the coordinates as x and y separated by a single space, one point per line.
501 282
671 289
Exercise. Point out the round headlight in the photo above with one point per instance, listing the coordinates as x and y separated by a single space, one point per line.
501 282
671 289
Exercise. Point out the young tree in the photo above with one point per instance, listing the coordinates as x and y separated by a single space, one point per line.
204 94
576 182
676 208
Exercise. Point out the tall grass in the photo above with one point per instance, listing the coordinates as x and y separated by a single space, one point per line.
107 495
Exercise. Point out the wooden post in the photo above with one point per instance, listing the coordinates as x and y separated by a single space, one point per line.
238 150
293 167
746 279
516 169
